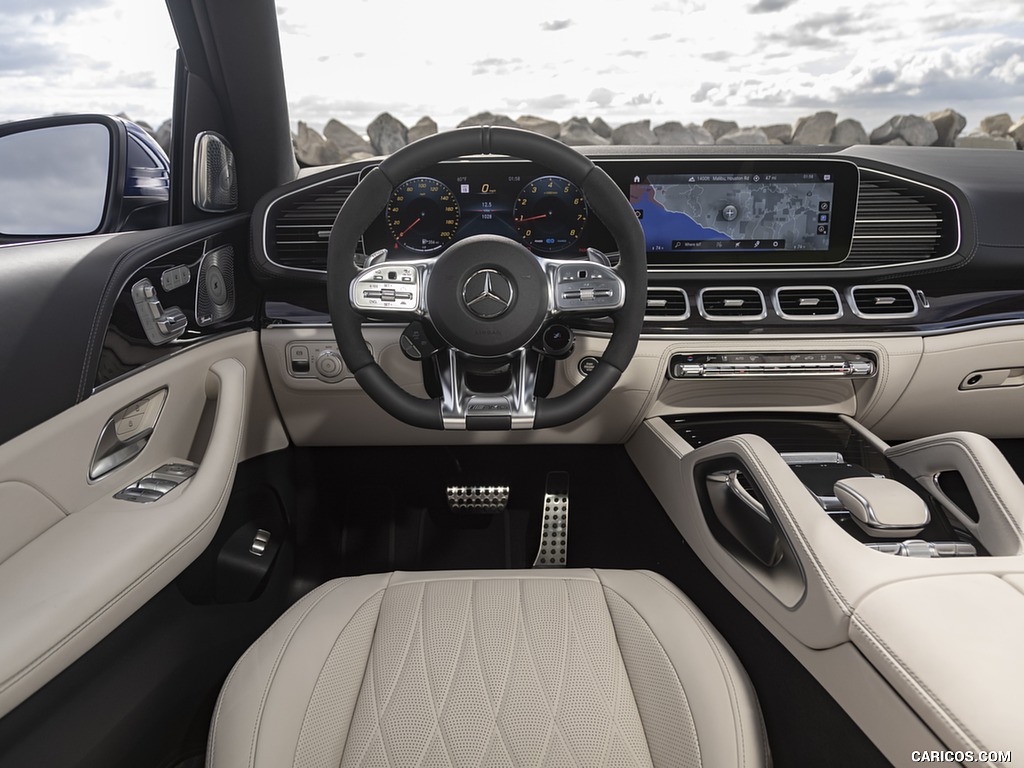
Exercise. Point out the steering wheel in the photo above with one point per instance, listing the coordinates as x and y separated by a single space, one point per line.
488 297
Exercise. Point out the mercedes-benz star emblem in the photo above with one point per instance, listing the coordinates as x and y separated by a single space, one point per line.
487 293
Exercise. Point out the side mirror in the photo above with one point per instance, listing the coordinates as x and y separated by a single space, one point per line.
74 175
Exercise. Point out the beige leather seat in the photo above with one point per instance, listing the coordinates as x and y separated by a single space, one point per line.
502 668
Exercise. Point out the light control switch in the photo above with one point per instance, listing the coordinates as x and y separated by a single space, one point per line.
883 507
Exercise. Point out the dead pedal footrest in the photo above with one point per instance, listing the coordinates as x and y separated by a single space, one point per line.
485 499
553 551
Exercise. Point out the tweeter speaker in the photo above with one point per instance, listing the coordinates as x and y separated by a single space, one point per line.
214 186
215 288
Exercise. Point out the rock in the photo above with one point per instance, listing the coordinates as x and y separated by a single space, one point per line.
345 139
387 134
634 134
701 134
814 129
425 126
743 136
488 118
914 130
577 132
776 142
985 141
313 149
897 142
847 133
601 128
996 125
1016 132
678 135
780 132
163 136
949 123
718 128
539 125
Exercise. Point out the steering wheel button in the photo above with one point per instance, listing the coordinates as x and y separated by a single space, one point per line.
572 295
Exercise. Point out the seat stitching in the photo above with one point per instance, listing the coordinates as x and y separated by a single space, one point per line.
723 665
521 623
337 638
893 659
563 663
494 705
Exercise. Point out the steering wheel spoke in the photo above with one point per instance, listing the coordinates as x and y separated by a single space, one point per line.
512 408
391 288
583 287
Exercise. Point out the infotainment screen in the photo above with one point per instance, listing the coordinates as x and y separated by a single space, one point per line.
755 213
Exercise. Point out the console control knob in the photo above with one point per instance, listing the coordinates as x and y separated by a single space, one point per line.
557 341
329 365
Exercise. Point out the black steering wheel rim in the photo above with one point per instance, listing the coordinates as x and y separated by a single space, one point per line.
370 197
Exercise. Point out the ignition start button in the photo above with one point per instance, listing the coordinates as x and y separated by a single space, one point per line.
587 365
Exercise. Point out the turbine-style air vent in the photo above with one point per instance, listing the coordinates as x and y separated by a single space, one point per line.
900 221
731 304
883 301
813 302
299 224
666 302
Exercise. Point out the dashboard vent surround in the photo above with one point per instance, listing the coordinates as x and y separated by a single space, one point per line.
666 303
298 224
739 303
811 302
901 221
882 301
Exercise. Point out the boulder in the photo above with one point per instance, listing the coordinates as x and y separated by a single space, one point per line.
949 123
634 134
345 139
996 125
577 132
847 133
1016 132
718 128
387 134
313 149
601 128
985 141
897 142
675 134
488 118
814 129
914 130
742 136
780 132
425 126
539 125
163 136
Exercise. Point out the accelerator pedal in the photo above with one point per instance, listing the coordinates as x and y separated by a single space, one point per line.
482 499
554 532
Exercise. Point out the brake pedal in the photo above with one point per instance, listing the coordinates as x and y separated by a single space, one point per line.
554 532
483 499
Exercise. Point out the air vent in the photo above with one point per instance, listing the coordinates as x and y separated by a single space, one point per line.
883 301
731 304
299 224
901 221
812 302
666 302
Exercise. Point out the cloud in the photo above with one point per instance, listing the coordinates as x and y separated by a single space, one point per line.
770 6
58 10
719 56
702 93
556 26
632 53
538 104
660 36
641 99
19 57
601 96
496 66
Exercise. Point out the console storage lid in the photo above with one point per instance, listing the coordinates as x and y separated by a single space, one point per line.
951 646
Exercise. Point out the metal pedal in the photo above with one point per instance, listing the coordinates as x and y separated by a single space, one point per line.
554 532
484 499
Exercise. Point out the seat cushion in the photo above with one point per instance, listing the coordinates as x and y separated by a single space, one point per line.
502 668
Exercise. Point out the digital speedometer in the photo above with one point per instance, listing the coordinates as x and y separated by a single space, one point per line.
550 214
422 215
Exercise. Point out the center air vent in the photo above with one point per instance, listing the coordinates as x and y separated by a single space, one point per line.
900 221
813 302
883 301
666 302
299 224
731 304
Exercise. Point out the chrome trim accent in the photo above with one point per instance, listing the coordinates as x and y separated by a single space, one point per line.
851 299
668 318
731 478
812 457
491 290
518 402
777 304
731 318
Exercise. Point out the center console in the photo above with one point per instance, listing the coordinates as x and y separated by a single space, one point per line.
894 573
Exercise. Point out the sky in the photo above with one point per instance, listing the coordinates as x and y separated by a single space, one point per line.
757 62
